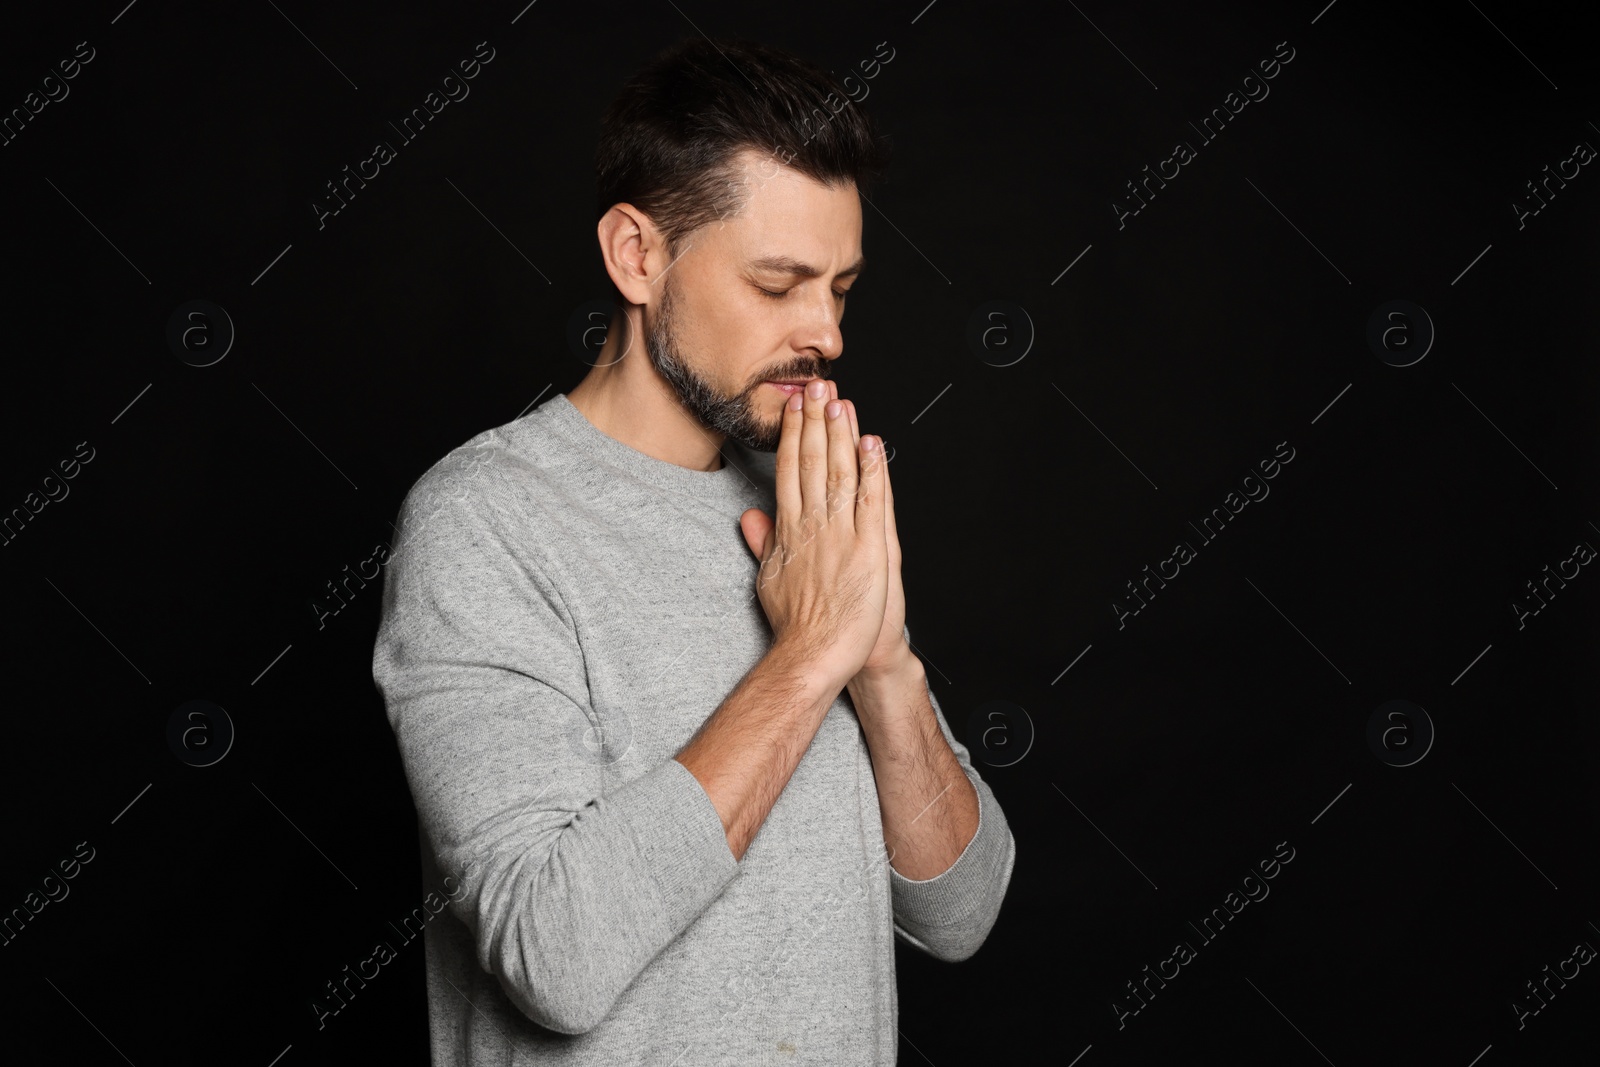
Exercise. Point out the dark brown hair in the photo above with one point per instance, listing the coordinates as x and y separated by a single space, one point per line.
668 139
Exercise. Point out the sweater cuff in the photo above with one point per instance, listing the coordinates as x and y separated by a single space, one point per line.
967 886
677 830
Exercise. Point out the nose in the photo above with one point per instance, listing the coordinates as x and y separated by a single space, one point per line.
821 332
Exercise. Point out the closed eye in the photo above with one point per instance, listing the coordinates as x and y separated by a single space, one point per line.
781 293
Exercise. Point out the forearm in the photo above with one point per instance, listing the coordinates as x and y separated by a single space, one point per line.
744 754
930 808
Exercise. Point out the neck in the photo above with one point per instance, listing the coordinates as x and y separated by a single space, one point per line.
628 400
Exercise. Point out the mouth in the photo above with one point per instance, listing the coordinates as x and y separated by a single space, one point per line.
789 386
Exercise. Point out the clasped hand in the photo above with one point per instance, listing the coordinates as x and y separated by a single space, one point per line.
829 580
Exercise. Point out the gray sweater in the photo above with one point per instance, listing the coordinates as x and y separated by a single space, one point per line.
560 613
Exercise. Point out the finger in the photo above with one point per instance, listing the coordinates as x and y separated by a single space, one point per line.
869 491
843 466
787 465
813 456
849 414
756 525
891 535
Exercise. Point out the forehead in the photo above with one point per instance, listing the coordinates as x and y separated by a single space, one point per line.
787 213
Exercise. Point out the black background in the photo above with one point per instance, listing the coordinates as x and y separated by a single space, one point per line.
1177 352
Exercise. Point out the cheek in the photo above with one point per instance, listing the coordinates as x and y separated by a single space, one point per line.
740 341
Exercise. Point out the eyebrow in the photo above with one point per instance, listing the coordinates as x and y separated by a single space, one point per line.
791 266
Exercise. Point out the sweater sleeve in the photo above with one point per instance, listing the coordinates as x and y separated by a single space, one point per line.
569 891
949 915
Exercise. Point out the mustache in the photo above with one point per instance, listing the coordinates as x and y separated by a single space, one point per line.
801 372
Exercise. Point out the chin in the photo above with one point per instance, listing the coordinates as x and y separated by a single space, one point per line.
771 434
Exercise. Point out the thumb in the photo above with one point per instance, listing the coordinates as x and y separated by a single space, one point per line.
756 526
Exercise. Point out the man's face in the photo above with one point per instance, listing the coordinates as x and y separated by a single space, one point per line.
719 335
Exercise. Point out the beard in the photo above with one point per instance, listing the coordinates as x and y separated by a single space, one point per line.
735 415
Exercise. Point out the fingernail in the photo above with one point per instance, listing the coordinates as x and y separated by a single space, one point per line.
871 443
815 389
833 409
795 401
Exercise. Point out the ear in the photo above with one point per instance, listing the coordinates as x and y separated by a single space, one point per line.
757 528
629 242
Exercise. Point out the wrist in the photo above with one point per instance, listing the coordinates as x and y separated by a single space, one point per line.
895 710
806 669
906 669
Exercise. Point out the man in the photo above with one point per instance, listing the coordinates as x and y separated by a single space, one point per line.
644 648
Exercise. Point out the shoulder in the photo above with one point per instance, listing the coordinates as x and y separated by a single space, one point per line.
489 487
471 474
475 528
